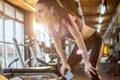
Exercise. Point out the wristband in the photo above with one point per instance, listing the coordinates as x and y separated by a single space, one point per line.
80 51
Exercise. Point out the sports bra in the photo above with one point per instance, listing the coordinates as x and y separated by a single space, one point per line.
65 32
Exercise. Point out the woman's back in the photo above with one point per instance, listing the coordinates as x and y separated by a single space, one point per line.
85 30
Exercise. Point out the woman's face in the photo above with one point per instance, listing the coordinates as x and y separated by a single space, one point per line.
43 13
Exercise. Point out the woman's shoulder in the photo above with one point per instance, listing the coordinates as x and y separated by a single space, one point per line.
75 18
72 17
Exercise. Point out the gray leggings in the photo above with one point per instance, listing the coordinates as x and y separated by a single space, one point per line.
94 43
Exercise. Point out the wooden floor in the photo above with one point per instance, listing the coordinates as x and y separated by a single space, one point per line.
80 75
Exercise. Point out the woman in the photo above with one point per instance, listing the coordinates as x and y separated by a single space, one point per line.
63 24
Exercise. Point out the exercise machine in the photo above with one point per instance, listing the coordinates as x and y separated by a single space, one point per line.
113 60
27 71
31 71
30 43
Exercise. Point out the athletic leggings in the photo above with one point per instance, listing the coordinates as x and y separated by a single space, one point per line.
94 43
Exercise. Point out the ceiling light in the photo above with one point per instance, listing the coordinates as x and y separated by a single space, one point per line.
102 9
98 28
100 19
99 25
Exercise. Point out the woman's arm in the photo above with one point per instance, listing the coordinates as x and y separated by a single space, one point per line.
74 30
58 44
79 40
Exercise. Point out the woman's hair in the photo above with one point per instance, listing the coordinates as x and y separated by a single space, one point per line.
58 9
48 3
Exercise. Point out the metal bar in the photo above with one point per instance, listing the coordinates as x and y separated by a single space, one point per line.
18 51
8 73
31 74
13 43
112 21
33 55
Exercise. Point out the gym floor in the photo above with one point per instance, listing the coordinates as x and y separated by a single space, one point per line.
80 75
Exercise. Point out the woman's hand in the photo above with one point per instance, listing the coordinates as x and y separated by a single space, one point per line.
89 69
64 67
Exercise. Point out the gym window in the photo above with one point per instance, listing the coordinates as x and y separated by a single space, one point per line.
11 25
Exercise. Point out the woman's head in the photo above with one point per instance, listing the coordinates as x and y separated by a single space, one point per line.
47 3
42 11
46 8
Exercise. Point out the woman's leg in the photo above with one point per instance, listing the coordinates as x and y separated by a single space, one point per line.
95 44
73 59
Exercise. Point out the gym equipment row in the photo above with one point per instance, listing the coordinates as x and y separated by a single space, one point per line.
27 71
40 67
113 60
